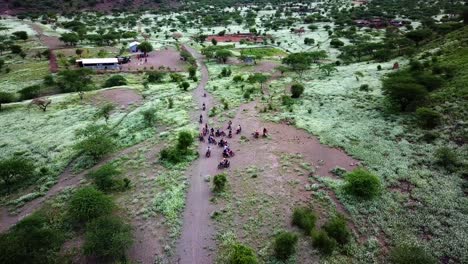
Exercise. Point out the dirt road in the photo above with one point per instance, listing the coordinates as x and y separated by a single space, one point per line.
197 240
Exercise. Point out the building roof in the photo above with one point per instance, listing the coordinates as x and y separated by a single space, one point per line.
134 43
98 60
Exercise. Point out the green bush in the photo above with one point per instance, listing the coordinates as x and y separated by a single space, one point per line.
94 142
184 140
184 86
304 218
325 244
88 203
219 182
6 98
104 178
107 237
410 255
336 43
427 117
241 254
337 229
446 157
429 81
285 245
287 101
32 240
172 155
15 170
364 88
363 184
149 117
155 76
296 90
238 79
115 80
30 92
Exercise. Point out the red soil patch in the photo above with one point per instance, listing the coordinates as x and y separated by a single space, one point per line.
168 59
238 37
121 97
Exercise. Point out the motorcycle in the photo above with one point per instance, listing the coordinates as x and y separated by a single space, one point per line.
238 131
228 154
256 135
208 153
222 165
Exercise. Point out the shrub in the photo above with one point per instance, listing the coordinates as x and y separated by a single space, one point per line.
184 86
287 101
184 140
337 229
115 80
410 255
94 142
336 43
429 81
171 155
176 77
238 79
6 98
30 92
323 242
32 240
219 182
285 245
364 87
107 237
304 218
14 170
149 117
241 254
88 203
427 117
104 178
446 157
297 90
192 72
155 77
361 183
105 111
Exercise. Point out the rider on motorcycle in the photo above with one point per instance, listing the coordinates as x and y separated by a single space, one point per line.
239 129
256 134
201 118
204 106
265 132
230 133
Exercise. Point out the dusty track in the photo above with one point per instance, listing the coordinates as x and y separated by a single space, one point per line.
197 231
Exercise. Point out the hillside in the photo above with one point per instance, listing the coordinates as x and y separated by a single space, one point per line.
39 6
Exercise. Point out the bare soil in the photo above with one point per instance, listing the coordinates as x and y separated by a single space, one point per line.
283 187
120 97
167 59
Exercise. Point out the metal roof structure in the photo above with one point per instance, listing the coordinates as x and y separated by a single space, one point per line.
98 61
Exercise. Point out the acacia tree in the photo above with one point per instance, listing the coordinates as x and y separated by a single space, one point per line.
258 78
223 55
328 68
75 81
145 47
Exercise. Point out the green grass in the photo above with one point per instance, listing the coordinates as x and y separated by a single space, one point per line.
263 52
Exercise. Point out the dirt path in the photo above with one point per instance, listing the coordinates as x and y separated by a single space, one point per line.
66 179
52 43
196 241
